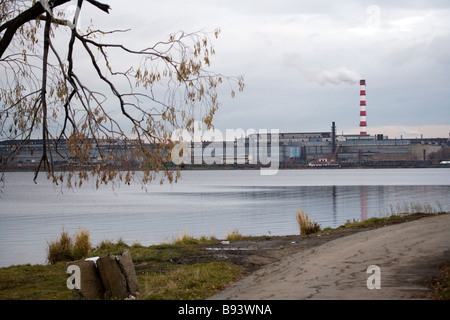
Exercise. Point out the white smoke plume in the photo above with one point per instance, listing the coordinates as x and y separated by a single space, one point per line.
341 75
337 76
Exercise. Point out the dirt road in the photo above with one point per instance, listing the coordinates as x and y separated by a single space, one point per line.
406 254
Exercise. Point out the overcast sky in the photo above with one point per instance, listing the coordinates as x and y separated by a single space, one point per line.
302 60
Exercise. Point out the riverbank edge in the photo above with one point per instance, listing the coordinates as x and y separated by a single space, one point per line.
265 255
203 167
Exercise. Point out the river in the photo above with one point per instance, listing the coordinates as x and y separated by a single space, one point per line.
206 202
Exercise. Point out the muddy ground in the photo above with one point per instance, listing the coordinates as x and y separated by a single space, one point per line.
254 253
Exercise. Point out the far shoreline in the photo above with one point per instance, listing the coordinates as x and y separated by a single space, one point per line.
195 167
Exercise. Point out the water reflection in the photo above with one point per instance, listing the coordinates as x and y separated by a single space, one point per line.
331 206
363 203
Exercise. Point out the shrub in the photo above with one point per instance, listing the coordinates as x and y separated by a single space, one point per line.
306 225
83 246
60 250
64 249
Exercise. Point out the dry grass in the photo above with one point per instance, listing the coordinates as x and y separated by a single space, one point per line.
306 225
82 247
416 207
186 239
234 236
68 249
60 250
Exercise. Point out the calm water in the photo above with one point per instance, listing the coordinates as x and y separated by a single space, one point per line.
205 203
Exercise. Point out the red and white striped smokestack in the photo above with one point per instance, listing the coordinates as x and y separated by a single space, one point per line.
362 104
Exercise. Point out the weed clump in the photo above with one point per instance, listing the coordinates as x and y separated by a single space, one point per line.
68 249
306 225
186 239
234 236
82 247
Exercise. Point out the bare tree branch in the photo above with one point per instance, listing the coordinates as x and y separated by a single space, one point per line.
12 26
167 86
101 6
44 159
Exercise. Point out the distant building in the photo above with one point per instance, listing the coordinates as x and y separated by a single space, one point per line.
294 149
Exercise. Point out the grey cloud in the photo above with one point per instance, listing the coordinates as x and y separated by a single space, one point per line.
299 56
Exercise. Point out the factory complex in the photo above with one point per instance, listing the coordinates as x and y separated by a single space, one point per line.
327 148
296 149
250 149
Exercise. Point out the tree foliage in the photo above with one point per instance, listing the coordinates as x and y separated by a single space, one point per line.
81 89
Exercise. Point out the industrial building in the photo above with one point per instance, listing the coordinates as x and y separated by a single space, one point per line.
28 154
321 149
328 148
294 149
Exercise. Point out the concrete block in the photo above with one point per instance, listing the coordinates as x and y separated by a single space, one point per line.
110 277
118 275
91 287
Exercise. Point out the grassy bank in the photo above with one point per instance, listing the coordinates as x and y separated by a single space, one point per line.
182 270
167 271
